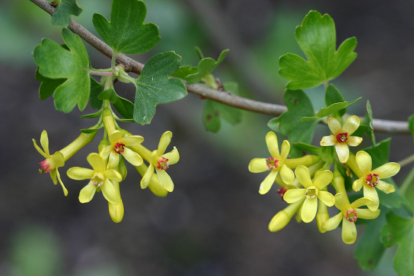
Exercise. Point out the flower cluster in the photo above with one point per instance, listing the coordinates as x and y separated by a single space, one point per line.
108 165
307 187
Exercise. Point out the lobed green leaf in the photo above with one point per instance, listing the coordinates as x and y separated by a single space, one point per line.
66 8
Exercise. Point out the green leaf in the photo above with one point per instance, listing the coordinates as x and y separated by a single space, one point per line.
57 63
400 231
184 71
290 123
213 111
109 95
125 108
308 148
199 52
127 33
328 154
380 154
47 86
66 8
211 117
411 124
334 108
369 249
205 67
154 87
366 126
92 115
332 95
89 130
96 89
317 39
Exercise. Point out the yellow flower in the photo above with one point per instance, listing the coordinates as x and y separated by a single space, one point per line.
100 180
349 215
282 218
161 162
276 163
341 136
371 179
120 145
116 211
52 162
311 192
154 184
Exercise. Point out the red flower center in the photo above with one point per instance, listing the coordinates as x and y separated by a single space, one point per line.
282 192
46 166
351 215
163 163
372 180
272 163
342 137
119 147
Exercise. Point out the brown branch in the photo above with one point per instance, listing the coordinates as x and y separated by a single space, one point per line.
219 96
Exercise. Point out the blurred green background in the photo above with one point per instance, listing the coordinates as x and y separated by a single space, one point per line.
215 222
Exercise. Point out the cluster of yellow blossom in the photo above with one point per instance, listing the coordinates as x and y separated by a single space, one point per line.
108 166
307 187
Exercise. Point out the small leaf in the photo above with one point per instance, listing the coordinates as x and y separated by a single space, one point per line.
369 249
400 231
89 130
47 86
290 123
154 87
366 126
92 115
109 95
96 89
205 67
125 108
57 63
211 117
308 148
317 39
332 95
334 108
199 52
184 71
66 8
127 33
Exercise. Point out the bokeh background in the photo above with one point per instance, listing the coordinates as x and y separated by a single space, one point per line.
215 222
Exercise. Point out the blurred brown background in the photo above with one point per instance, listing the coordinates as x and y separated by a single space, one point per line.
215 222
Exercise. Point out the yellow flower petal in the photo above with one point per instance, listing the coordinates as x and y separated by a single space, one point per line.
309 209
332 223
307 160
110 193
323 179
131 140
367 214
258 165
114 136
364 162
285 150
172 156
44 141
116 211
165 180
294 195
164 142
385 187
322 216
327 198
303 175
387 170
357 185
328 141
65 191
59 159
156 187
145 181
354 141
272 144
341 201
371 193
96 162
349 232
78 173
282 218
113 175
132 157
351 125
267 182
342 151
53 176
334 125
287 174
87 193
113 160
363 201
39 150
105 152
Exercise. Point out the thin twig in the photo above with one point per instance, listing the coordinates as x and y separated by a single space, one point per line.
219 96
406 161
